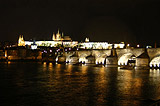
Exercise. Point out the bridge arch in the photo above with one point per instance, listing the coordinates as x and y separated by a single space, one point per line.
123 59
82 58
155 61
101 59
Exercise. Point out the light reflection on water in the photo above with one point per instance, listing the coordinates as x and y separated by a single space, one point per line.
59 84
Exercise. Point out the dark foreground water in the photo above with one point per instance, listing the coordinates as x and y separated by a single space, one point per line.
37 84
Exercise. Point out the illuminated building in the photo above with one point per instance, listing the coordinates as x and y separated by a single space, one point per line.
99 45
57 40
87 40
95 45
120 45
21 41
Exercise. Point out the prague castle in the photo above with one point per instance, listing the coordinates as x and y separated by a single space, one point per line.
59 39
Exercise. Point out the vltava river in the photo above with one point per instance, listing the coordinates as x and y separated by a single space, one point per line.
38 84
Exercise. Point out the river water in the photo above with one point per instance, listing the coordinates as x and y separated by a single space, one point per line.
30 84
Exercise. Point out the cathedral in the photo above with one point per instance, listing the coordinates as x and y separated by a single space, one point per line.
57 37
60 37
21 41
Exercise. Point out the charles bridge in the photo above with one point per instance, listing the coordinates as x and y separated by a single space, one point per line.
123 55
110 57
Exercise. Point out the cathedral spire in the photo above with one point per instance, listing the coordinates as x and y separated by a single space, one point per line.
19 37
58 36
62 35
53 37
22 37
58 31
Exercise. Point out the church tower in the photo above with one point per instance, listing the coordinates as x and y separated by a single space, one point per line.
53 37
87 40
58 36
21 41
22 38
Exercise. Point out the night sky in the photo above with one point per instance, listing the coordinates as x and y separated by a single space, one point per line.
129 21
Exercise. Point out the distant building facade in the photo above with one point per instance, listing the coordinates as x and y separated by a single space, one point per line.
99 45
59 39
16 53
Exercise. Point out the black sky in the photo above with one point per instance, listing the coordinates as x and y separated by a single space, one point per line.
131 21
